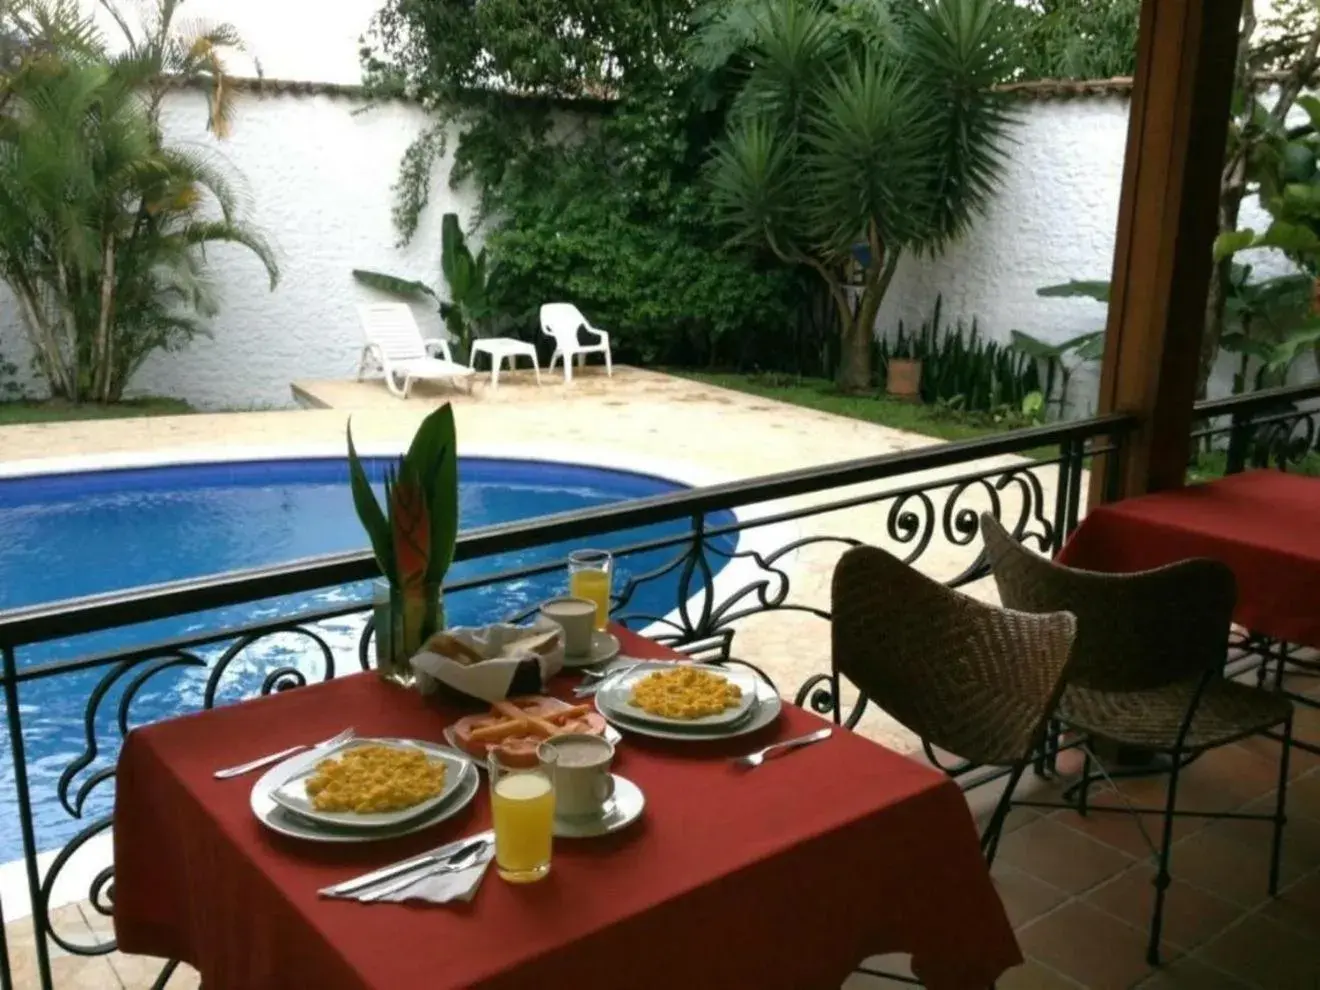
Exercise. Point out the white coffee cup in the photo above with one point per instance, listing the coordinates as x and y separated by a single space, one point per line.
581 774
577 617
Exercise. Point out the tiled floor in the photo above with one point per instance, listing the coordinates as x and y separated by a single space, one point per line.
1078 890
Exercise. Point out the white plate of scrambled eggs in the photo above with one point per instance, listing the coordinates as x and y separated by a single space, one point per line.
370 783
687 696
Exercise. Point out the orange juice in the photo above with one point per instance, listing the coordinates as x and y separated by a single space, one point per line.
593 585
523 806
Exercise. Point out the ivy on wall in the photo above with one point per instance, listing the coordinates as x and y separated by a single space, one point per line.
588 175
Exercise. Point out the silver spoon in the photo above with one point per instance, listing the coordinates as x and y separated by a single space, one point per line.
454 864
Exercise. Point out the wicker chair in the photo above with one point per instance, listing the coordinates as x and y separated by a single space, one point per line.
1147 671
975 680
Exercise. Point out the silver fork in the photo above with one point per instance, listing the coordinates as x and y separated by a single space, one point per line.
759 757
598 680
265 761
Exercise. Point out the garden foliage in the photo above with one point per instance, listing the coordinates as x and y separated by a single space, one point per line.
103 227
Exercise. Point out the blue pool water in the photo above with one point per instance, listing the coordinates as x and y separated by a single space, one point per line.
70 535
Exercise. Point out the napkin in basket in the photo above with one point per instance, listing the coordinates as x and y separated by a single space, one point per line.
491 662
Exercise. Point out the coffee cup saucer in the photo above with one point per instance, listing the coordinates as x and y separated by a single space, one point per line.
604 647
624 808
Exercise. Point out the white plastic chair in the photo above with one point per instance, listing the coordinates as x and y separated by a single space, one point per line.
562 321
396 345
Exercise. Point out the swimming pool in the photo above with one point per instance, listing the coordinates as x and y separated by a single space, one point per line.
76 534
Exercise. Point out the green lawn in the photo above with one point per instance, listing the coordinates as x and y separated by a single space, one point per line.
819 393
1211 464
931 421
58 411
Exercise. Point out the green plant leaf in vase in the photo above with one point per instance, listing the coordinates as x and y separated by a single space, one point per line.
373 518
433 457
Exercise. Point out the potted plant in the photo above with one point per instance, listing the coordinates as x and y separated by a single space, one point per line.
413 537
903 370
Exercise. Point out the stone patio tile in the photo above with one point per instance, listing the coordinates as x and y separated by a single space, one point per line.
68 971
1035 976
1089 946
1025 897
1061 857
1191 916
1265 954
139 972
1298 905
1190 973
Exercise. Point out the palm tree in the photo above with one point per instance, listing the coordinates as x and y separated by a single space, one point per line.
101 226
857 131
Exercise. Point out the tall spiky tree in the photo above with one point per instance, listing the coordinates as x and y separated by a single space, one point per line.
859 131
102 227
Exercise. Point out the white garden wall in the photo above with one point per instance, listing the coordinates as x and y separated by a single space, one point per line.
1053 221
320 170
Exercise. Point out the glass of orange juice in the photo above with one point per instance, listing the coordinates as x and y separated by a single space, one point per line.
589 573
522 801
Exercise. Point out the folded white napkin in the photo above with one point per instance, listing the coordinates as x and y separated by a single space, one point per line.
492 678
437 888
445 887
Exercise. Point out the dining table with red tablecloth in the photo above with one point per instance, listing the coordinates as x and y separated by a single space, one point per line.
786 876
1265 525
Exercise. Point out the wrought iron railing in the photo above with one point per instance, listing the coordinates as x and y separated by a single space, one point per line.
722 570
1274 428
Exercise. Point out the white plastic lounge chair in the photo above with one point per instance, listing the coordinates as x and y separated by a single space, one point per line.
397 347
561 321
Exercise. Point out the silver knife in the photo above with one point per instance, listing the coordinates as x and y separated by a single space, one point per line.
457 863
435 857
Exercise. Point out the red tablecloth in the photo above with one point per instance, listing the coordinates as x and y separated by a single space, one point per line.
784 877
1265 525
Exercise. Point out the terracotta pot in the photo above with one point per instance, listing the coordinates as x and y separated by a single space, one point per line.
903 380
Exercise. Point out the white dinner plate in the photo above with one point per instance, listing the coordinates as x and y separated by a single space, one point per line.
604 647
289 823
291 792
614 696
624 808
767 708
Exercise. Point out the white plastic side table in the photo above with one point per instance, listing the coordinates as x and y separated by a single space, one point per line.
499 349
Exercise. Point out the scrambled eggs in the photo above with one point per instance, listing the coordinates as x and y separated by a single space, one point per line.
685 692
370 779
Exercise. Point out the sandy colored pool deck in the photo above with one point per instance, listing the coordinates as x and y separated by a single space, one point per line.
637 420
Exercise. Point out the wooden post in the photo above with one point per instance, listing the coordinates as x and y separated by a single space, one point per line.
1167 222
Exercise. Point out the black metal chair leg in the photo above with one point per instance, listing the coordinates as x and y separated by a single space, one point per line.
1281 806
1085 785
995 827
1162 877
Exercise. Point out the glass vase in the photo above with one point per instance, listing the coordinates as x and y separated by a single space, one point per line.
405 619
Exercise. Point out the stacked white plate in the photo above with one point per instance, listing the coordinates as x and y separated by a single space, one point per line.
759 706
280 801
